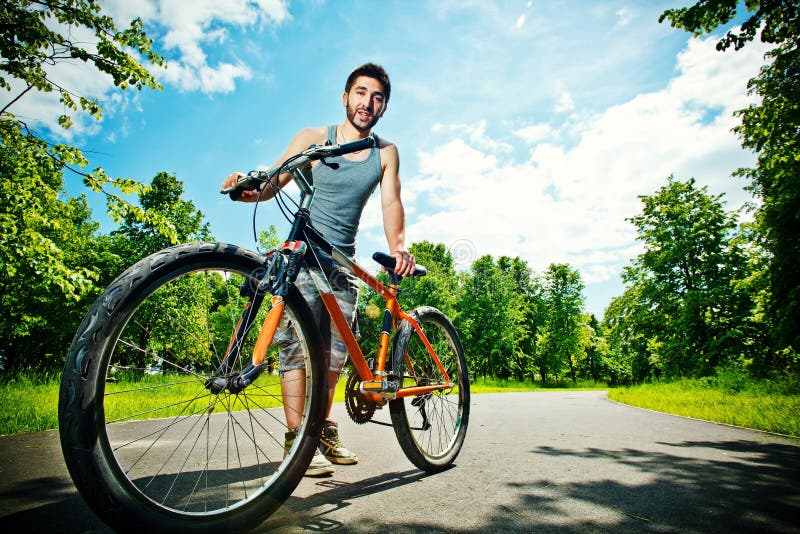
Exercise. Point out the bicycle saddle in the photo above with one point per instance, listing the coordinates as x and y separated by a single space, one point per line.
389 262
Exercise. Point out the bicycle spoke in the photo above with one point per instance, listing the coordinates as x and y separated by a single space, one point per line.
188 445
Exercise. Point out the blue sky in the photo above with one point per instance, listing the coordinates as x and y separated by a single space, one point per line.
525 128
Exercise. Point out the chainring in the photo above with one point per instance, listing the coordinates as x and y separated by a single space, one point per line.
359 409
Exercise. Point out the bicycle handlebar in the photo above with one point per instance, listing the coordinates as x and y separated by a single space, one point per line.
345 148
253 180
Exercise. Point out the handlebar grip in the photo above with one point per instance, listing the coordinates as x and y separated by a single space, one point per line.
353 146
245 183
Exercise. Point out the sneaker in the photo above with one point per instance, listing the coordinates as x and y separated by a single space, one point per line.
332 446
319 465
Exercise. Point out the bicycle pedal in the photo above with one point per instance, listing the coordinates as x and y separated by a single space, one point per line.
384 388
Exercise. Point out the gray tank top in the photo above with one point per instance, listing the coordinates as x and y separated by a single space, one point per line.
343 187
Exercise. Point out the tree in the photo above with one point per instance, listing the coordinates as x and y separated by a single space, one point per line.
439 287
53 262
136 239
269 239
38 33
47 253
34 35
559 338
491 319
530 294
625 324
772 129
753 289
593 366
690 316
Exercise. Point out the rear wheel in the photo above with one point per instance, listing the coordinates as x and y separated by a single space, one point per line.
149 444
430 427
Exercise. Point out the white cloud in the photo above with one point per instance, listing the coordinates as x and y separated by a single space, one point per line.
624 17
190 29
40 109
564 101
568 203
219 79
475 133
534 133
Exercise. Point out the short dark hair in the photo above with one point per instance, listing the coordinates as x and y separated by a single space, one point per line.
370 70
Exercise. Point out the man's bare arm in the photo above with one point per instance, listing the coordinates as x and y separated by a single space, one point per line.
394 220
301 141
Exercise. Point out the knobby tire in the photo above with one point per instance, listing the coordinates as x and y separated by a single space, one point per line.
195 461
430 428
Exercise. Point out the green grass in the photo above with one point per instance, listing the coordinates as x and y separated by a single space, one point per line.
495 385
170 395
762 405
30 404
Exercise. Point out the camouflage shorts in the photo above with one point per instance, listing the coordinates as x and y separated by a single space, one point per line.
345 288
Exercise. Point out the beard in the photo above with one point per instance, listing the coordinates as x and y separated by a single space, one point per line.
351 115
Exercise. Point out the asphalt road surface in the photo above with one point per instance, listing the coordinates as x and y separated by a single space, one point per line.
551 461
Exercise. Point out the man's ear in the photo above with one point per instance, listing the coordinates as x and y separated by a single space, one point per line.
344 99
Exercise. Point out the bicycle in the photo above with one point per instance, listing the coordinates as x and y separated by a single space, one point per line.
171 414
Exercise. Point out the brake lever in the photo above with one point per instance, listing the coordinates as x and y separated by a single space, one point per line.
314 152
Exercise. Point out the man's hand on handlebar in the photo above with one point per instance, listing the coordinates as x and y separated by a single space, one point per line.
314 152
244 195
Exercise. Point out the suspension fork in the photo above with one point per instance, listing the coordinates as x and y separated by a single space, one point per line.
280 274
294 249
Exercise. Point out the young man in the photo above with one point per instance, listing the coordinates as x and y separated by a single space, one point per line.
343 186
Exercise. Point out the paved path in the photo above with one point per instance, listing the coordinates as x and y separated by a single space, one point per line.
550 461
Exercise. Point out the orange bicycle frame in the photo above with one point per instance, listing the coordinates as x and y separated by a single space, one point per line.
395 313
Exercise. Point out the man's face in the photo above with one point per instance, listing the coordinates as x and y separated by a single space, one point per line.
365 103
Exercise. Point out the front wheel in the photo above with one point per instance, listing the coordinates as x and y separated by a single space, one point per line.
430 427
149 444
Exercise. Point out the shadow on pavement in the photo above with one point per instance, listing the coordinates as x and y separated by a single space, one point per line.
689 486
70 515
334 495
747 487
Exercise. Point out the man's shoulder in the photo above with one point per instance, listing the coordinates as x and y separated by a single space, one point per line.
313 134
387 148
390 158
384 143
